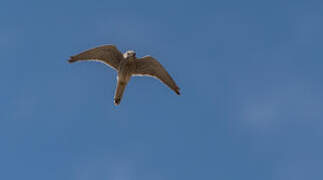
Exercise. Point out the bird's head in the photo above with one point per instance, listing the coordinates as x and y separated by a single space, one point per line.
130 54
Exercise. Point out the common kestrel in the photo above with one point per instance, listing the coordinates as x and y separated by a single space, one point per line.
126 65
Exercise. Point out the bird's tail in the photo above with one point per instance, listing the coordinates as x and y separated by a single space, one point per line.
121 85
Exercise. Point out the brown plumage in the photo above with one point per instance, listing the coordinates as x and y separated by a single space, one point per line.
127 65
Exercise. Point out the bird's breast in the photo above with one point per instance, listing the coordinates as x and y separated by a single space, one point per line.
126 69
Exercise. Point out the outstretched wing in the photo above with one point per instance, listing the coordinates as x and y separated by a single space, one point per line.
107 54
149 66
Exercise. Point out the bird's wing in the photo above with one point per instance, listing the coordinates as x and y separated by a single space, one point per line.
149 66
107 54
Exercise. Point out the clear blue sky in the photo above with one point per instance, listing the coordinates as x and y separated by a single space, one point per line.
250 73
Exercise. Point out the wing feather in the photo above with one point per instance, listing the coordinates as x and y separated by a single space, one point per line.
107 54
149 66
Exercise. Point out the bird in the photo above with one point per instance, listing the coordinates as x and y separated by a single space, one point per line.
126 65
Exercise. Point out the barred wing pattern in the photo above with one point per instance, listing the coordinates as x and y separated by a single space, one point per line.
107 54
149 66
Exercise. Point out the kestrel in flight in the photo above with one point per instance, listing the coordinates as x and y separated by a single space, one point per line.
126 65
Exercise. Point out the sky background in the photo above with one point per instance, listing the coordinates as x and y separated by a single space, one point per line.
250 74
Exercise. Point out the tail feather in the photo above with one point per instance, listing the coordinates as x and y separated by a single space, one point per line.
119 92
177 91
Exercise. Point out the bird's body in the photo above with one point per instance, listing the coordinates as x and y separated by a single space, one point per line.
127 65
125 70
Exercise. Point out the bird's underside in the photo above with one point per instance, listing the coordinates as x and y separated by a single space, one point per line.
126 65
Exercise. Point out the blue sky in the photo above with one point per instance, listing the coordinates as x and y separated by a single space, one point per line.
251 79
